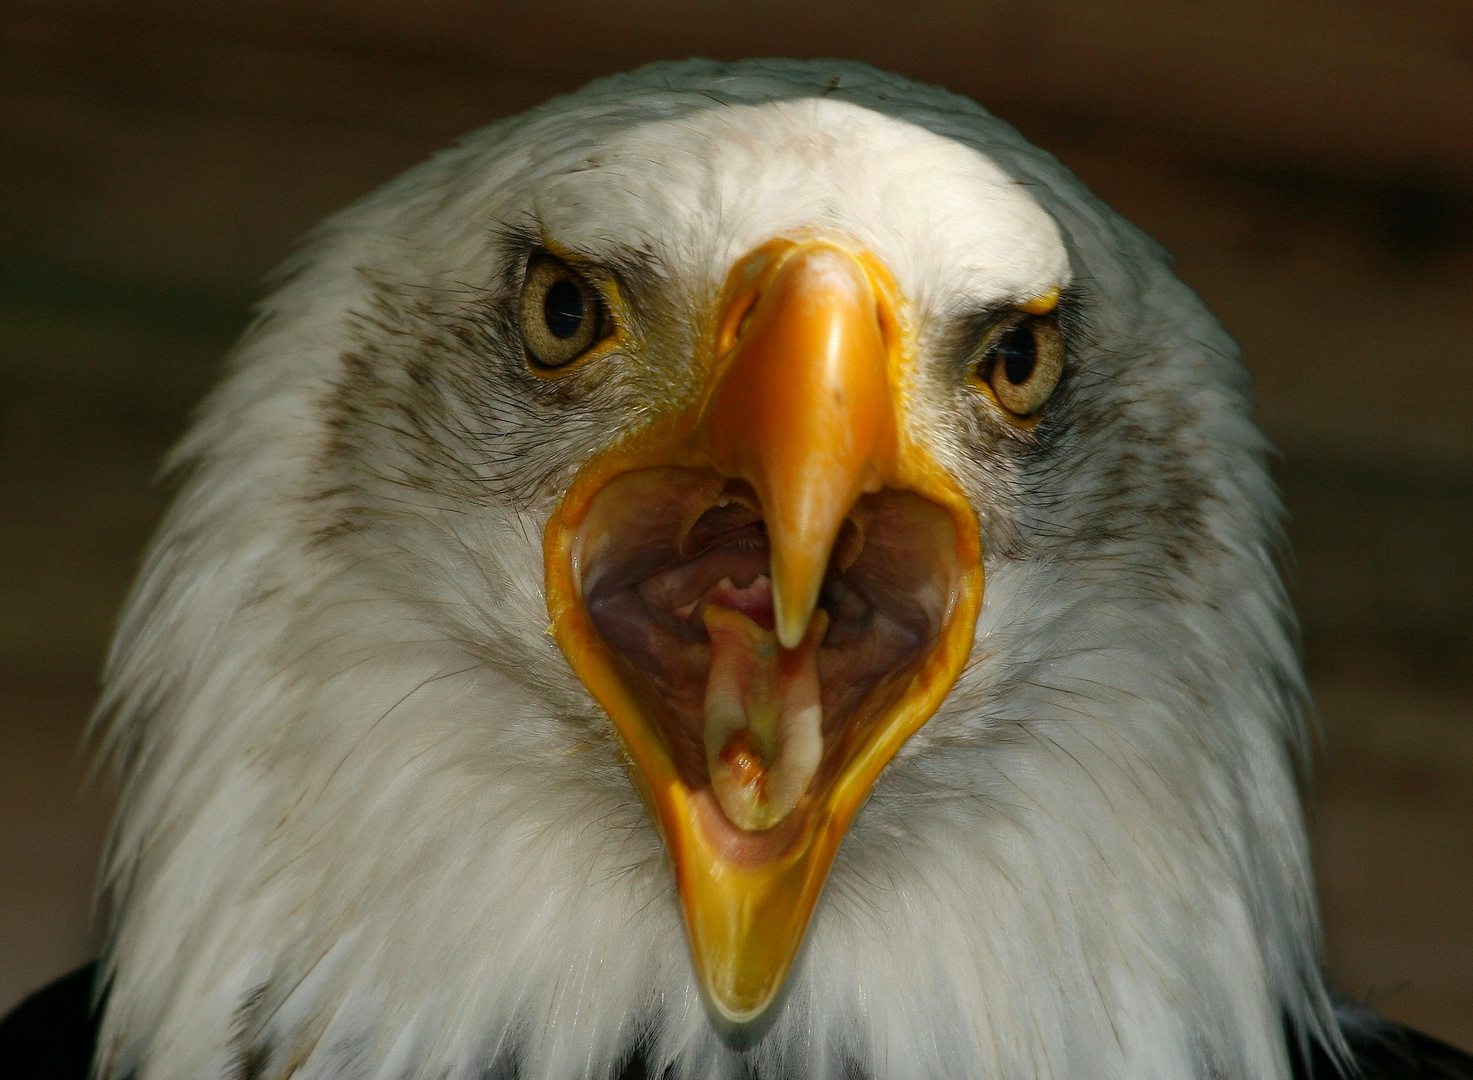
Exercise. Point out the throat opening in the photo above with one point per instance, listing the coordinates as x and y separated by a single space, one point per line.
676 581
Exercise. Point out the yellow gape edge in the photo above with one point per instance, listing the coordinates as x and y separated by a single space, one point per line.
804 405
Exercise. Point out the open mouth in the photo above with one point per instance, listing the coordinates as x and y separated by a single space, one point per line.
676 579
768 589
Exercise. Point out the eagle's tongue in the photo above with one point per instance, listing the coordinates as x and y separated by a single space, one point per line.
763 717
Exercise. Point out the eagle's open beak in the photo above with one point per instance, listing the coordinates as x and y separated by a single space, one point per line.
769 589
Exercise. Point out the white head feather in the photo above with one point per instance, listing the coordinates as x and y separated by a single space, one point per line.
372 824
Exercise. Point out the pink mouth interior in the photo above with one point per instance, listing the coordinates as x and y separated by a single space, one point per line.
754 600
661 546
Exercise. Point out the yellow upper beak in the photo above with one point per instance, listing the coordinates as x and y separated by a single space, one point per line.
805 402
803 409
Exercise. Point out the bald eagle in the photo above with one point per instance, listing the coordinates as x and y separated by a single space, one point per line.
743 571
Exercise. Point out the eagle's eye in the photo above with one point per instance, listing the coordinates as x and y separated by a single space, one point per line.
561 313
1022 363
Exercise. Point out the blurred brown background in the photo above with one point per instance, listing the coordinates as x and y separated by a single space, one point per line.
1310 164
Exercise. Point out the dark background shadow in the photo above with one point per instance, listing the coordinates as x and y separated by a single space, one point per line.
1310 164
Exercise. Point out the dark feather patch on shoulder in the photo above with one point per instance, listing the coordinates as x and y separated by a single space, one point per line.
1382 1050
52 1034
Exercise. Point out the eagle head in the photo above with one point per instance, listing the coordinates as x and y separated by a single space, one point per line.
745 570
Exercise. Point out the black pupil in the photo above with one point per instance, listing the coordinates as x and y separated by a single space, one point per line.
1019 355
563 309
